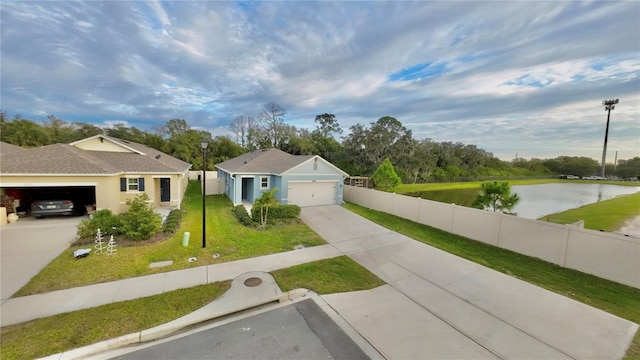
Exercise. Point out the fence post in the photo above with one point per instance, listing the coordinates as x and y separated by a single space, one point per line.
563 247
453 215
497 237
393 204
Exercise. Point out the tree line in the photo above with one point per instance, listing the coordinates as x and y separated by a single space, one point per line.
359 152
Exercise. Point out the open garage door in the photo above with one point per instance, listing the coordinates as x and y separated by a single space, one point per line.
25 195
307 193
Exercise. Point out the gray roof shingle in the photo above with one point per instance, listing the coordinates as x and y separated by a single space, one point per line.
265 161
63 159
7 148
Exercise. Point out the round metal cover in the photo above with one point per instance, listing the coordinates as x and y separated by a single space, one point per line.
252 281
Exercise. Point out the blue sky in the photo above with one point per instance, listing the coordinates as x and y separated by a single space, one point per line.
511 77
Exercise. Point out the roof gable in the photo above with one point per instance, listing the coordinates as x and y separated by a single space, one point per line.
105 143
315 165
269 161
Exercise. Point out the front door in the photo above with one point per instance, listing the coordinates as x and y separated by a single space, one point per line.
165 190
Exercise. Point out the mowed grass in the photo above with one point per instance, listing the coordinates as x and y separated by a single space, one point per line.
612 297
55 334
411 188
608 215
225 236
339 274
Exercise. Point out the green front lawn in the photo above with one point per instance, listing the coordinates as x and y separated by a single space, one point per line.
612 297
225 236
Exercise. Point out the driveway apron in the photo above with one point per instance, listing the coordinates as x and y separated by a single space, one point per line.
438 305
29 245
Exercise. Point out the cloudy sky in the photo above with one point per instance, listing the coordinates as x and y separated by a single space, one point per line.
511 77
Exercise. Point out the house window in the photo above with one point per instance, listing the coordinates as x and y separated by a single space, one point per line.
264 182
315 164
132 184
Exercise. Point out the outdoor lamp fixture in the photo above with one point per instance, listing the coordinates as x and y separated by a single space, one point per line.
608 106
204 145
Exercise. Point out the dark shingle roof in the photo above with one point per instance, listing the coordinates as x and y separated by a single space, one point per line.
266 161
61 159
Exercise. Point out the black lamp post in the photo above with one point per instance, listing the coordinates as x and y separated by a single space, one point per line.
204 145
608 106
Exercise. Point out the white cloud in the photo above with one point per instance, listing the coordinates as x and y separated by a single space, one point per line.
533 70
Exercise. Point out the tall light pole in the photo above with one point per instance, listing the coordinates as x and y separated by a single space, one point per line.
204 145
608 106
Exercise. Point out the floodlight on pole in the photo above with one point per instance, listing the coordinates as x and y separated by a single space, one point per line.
608 106
204 146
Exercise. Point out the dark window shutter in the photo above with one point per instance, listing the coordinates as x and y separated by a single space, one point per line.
123 184
140 184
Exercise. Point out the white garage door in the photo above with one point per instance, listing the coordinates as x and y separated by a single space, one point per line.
312 193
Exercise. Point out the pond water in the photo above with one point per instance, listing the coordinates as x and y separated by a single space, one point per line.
544 199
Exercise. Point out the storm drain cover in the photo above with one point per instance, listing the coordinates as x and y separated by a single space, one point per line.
252 282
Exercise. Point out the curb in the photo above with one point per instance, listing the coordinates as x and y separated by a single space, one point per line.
238 298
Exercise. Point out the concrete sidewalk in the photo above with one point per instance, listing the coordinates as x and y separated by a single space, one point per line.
438 305
20 309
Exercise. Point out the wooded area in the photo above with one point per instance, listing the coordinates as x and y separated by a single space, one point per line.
358 153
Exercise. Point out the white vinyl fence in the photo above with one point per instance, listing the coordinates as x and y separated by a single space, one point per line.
608 255
215 185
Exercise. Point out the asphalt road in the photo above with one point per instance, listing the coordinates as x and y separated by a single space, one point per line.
298 331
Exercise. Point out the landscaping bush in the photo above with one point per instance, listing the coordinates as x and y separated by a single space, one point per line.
105 220
240 212
141 221
172 222
278 211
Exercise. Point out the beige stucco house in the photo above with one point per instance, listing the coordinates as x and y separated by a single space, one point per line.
100 171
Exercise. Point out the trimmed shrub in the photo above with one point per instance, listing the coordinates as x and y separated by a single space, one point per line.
277 211
240 213
105 220
141 221
172 222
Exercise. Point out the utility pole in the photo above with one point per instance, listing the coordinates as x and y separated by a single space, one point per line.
608 106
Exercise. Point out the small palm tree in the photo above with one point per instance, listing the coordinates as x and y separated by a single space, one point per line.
267 199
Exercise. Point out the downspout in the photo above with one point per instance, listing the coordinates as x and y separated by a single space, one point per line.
180 193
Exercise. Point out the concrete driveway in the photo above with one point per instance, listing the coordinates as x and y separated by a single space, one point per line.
29 245
437 305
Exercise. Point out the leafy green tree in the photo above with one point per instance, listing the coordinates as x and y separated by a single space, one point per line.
221 148
124 132
573 165
628 169
322 136
60 131
385 177
175 127
25 133
495 196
